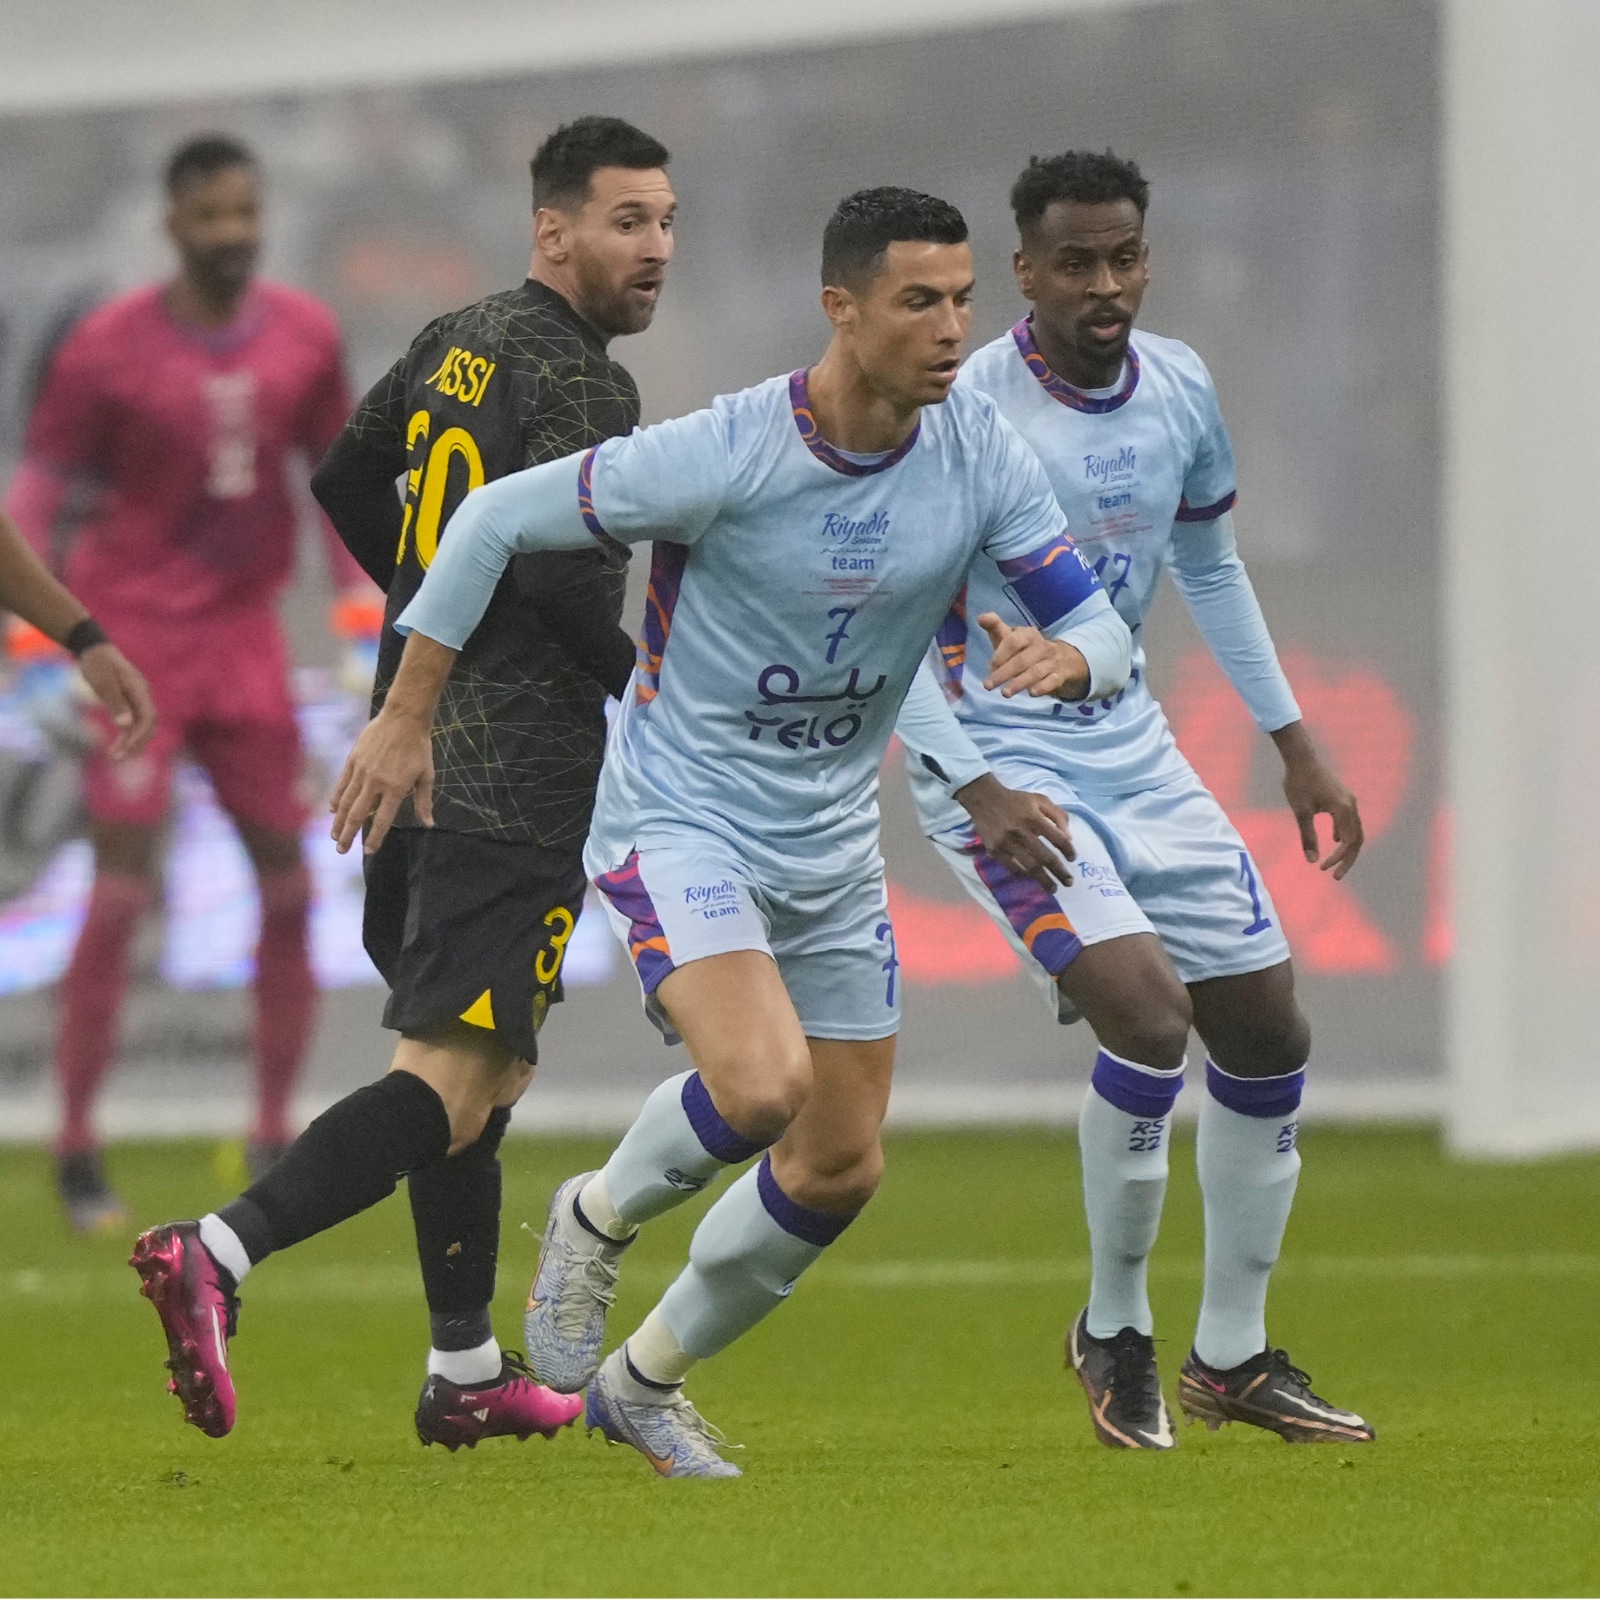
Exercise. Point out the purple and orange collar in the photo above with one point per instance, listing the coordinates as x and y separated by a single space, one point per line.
1060 389
830 455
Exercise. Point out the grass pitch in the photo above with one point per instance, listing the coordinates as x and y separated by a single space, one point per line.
908 1426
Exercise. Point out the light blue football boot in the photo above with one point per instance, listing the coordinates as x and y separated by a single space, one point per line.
574 1285
668 1432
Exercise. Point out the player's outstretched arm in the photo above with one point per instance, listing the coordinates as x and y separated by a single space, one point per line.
1027 833
1209 574
536 509
28 589
392 761
1085 655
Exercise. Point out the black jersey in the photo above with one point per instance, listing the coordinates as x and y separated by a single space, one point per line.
517 379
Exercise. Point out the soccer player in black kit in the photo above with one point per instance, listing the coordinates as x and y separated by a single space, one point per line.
472 897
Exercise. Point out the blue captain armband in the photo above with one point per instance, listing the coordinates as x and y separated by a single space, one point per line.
1049 583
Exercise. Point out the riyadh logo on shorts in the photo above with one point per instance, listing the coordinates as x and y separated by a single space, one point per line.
713 899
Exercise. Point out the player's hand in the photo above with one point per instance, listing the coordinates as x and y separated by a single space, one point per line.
120 687
1310 787
1024 659
393 759
1027 834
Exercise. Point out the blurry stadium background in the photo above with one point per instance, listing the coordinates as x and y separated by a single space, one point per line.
1297 229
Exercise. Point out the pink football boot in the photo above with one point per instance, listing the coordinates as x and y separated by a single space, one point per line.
514 1403
199 1313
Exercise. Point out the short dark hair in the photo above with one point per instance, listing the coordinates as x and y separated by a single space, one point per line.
205 154
866 223
1084 176
564 164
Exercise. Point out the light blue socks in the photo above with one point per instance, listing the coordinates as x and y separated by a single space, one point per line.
678 1143
1249 1166
743 1261
1123 1133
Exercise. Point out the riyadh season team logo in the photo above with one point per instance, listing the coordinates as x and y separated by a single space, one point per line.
713 900
1118 467
853 544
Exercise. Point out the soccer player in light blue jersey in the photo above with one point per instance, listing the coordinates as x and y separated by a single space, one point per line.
810 533
1165 921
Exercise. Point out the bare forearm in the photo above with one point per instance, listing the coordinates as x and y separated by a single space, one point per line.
1294 743
27 588
419 680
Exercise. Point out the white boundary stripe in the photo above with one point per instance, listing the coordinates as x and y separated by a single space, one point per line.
32 1118
75 54
393 1281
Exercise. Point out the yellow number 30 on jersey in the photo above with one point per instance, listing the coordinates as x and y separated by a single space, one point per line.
425 485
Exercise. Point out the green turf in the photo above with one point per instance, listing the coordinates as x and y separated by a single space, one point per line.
907 1424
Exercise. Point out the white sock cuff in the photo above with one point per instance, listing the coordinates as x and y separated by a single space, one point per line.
594 1199
655 1354
1165 1073
467 1367
226 1247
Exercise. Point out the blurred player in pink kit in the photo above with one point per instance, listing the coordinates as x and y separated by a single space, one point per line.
172 412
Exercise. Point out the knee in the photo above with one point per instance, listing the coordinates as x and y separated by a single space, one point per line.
286 895
481 1108
1270 1045
759 1097
1151 1028
486 1147
840 1181
1274 1052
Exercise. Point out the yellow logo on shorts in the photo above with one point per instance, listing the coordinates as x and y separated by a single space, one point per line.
481 1012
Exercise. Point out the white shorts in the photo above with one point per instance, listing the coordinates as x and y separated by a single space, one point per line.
1165 861
673 904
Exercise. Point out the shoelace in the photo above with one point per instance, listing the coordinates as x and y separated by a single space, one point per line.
1283 1368
599 1277
518 1365
1133 1366
710 1435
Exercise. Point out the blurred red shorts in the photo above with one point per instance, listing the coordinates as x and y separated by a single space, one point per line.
221 688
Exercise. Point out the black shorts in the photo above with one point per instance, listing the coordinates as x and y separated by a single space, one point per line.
470 929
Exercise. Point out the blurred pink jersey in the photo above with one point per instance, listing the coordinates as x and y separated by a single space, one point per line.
181 434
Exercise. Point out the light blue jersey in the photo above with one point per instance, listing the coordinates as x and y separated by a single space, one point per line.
1131 469
1145 474
793 592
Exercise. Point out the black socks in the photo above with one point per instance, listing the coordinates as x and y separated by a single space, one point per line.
353 1155
350 1158
455 1206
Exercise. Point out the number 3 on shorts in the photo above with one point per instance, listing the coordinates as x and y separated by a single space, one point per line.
547 964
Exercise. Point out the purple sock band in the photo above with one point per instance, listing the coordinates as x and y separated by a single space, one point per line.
722 1141
814 1227
1130 1089
1256 1097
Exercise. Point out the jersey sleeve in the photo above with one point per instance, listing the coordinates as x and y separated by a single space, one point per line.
1210 486
66 430
1043 570
322 420
666 482
932 732
1208 573
354 482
